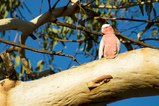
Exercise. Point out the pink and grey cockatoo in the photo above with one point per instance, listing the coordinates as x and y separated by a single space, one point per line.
109 44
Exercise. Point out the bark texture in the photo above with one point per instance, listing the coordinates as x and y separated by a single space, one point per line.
130 74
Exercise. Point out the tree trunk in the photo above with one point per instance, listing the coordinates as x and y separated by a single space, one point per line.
130 74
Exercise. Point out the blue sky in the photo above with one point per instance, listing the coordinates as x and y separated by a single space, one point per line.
34 6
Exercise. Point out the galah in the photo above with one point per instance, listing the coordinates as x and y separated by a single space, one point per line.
109 44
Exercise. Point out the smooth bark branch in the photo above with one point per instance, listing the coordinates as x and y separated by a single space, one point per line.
49 16
130 74
27 28
16 24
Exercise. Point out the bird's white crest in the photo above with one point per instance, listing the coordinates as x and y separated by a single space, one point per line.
105 25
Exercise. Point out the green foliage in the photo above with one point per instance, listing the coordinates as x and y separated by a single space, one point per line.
154 33
40 66
9 6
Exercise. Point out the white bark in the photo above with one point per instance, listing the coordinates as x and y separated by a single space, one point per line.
135 74
29 27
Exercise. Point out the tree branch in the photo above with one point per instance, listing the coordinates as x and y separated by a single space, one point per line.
8 65
49 16
150 39
60 23
35 50
136 41
149 21
127 75
119 7
80 40
144 30
16 24
24 47
55 4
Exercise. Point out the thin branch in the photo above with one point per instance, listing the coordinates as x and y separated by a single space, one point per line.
49 5
136 41
150 21
144 30
28 10
150 39
55 4
26 47
60 23
72 60
38 50
120 7
41 7
21 14
80 40
77 20
16 36
68 3
90 3
11 49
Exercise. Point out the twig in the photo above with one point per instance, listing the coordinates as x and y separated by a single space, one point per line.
144 30
38 50
136 41
150 21
74 56
26 47
41 7
60 23
99 34
21 14
68 3
120 7
55 4
90 2
11 49
49 5
80 40
28 10
150 39
16 37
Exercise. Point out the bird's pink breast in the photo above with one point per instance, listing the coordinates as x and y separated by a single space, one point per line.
110 44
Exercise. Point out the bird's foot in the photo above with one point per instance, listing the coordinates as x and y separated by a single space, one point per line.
111 57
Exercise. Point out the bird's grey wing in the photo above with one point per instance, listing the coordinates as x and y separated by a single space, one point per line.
101 46
118 45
